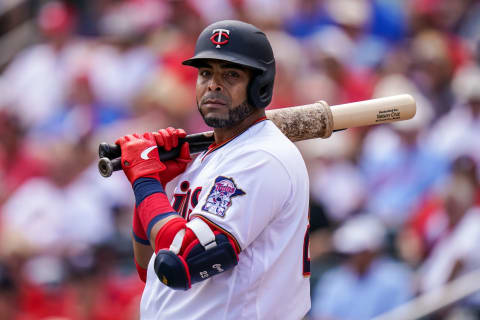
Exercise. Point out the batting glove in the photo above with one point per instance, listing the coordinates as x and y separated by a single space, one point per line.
168 139
140 158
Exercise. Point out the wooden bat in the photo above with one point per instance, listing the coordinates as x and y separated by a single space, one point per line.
317 120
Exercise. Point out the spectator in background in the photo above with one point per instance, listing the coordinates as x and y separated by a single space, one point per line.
36 80
122 63
354 18
307 17
291 61
65 209
71 81
428 222
367 283
82 115
18 159
334 62
435 59
457 132
336 183
396 161
456 246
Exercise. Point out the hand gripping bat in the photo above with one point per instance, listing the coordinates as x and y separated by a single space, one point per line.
316 120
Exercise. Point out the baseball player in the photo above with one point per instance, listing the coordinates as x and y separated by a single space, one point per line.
225 235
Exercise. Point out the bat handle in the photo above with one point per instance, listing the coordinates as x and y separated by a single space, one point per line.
110 151
110 154
196 141
107 166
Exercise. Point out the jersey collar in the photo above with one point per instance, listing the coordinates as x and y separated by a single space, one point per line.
215 146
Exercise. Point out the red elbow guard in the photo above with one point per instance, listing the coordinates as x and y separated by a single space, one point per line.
168 232
191 252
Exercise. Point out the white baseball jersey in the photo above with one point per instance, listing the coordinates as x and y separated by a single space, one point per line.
255 187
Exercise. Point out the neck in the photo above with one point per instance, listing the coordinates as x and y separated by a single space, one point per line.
223 134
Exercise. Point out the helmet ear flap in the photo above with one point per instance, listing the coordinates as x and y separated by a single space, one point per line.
260 89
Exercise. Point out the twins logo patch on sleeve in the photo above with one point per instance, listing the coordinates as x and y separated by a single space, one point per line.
220 197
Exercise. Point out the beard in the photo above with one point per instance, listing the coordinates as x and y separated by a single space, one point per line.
235 115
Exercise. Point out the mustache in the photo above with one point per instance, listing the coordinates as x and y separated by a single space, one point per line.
214 96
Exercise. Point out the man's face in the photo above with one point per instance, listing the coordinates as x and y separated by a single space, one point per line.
222 93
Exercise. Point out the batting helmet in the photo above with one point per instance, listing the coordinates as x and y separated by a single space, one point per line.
244 44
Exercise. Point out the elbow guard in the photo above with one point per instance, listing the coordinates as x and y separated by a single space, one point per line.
208 253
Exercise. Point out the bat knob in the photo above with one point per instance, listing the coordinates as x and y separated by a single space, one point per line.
105 167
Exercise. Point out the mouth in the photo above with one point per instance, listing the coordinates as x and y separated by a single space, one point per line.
214 103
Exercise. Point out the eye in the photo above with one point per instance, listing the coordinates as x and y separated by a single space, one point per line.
233 74
204 73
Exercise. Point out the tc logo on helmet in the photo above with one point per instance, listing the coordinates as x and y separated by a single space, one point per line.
220 37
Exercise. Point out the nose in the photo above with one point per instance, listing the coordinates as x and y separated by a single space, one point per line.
215 83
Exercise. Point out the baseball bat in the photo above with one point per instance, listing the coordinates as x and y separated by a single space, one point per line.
317 120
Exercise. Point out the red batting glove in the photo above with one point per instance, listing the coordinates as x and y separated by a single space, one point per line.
168 139
140 156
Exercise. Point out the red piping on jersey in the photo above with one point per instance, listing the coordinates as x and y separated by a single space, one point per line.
215 146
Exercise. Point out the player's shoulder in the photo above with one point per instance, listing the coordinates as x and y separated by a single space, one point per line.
264 142
266 137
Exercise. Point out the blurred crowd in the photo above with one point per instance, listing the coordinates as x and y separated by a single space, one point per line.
395 209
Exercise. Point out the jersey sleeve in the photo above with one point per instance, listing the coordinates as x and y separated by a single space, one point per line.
245 195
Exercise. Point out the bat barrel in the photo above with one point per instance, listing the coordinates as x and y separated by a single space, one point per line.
374 111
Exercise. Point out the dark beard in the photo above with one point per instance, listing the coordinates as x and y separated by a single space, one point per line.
235 116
